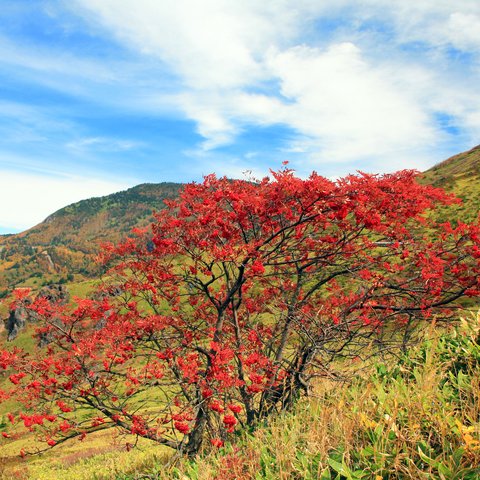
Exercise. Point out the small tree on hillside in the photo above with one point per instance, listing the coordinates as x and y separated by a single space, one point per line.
241 293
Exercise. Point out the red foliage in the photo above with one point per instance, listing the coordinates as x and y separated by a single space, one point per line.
242 292
182 427
216 442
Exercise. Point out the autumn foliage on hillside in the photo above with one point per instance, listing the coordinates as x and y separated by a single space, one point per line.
239 295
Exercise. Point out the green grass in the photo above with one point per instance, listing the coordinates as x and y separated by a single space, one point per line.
460 175
83 288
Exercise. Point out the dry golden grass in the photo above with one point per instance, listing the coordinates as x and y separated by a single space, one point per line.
418 420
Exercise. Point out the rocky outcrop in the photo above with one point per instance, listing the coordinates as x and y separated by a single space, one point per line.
47 259
112 292
16 321
55 294
19 317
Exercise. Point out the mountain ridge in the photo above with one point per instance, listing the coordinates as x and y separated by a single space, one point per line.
64 245
460 163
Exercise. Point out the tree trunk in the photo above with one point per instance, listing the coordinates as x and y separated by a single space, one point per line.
195 437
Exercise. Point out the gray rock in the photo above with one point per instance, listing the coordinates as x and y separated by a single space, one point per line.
16 322
21 315
55 294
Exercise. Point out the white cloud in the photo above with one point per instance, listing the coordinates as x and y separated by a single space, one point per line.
220 115
436 22
28 198
463 30
345 99
350 107
102 144
208 43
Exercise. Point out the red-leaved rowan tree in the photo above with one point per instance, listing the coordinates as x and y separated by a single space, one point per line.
239 295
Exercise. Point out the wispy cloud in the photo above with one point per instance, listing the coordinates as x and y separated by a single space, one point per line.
103 144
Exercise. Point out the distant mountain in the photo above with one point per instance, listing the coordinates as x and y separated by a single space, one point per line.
460 175
64 244
63 247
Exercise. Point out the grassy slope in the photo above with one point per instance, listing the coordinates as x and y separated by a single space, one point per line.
417 419
459 174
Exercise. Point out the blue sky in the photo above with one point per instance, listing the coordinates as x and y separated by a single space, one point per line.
100 95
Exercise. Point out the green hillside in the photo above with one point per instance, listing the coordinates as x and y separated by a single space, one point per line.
460 175
63 246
